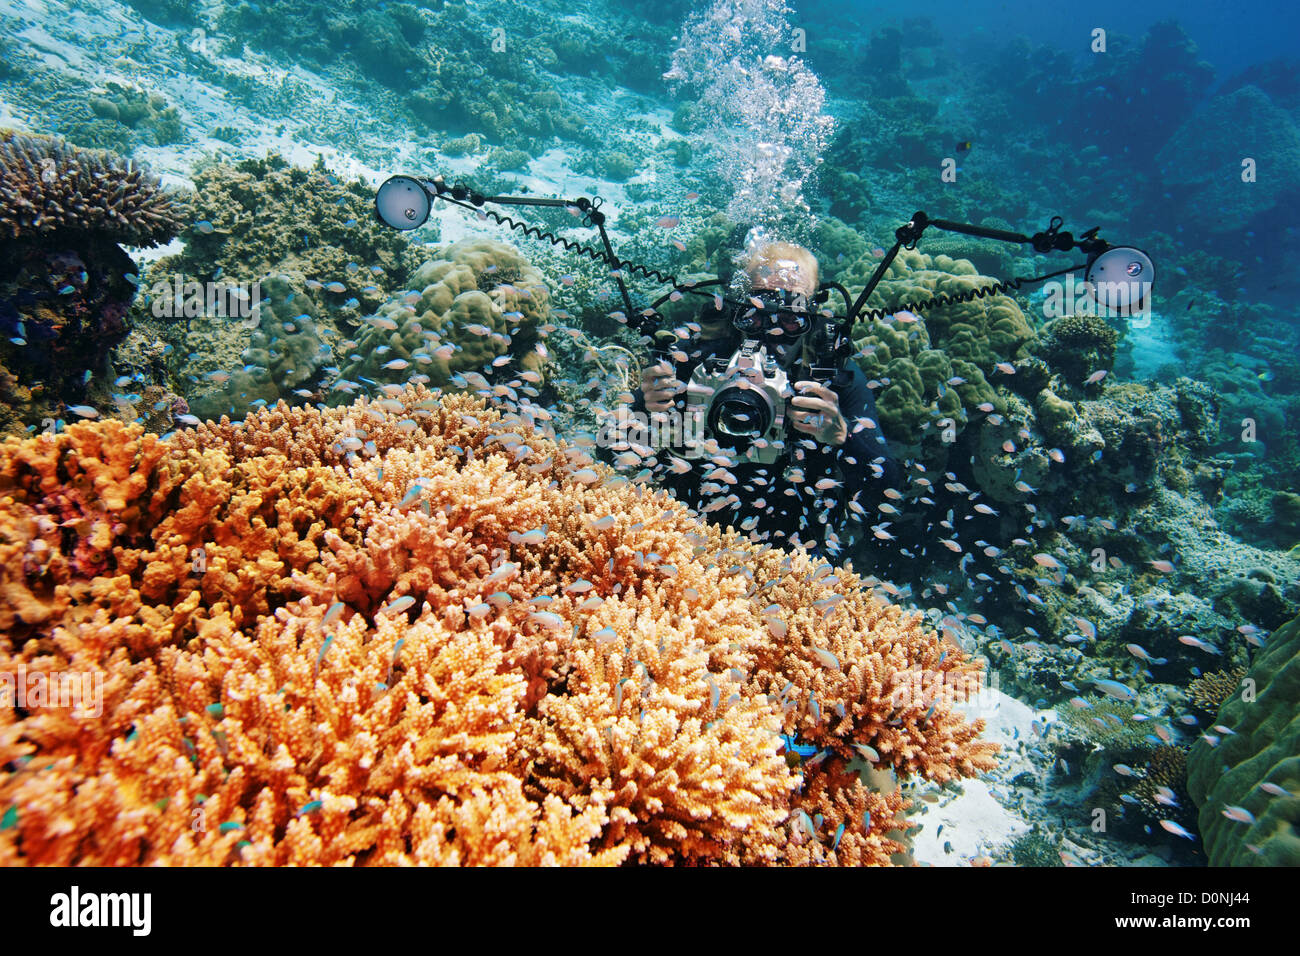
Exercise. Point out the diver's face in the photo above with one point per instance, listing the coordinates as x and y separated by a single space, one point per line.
785 336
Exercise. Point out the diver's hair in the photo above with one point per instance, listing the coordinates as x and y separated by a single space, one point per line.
784 260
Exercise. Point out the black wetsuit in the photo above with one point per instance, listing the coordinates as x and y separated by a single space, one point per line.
781 503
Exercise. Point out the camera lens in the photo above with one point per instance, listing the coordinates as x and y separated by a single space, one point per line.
740 414
793 323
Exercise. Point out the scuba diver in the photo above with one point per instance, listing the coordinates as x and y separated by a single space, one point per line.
785 432
784 454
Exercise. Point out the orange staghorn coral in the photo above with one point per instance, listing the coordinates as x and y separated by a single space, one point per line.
420 632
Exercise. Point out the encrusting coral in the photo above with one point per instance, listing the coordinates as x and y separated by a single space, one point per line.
434 635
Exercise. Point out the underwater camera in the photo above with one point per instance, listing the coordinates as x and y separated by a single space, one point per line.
741 399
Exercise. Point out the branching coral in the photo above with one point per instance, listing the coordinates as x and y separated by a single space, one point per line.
462 643
48 186
1208 693
65 291
1165 769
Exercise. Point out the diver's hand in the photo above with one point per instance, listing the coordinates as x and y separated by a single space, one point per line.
816 412
658 386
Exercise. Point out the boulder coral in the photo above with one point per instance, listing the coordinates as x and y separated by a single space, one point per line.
477 301
1079 345
369 636
1256 767
284 352
923 357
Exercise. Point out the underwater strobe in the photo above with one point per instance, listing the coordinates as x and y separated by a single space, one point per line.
402 202
1120 279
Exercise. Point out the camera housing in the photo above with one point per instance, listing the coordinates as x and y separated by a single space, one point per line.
741 401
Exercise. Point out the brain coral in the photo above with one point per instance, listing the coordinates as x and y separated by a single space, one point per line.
48 186
480 299
919 358
1263 749
313 657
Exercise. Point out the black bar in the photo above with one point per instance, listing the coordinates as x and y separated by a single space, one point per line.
609 250
529 201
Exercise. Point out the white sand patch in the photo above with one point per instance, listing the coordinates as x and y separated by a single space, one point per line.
974 818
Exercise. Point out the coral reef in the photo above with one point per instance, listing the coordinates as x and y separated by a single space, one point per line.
1164 772
260 217
1138 777
1255 764
1141 91
1205 172
321 260
66 285
480 300
125 116
49 187
318 652
459 69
